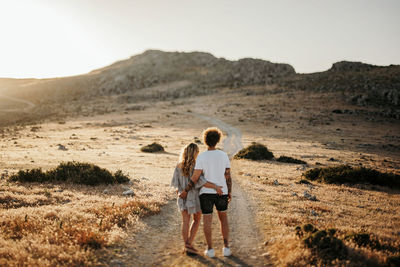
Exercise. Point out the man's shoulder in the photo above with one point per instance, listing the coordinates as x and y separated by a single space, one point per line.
223 153
201 155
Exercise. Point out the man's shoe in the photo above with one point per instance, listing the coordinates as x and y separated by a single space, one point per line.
210 253
226 252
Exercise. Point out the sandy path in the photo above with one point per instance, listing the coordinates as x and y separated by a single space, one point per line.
160 244
28 104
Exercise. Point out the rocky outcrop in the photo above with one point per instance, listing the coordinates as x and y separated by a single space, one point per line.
202 69
352 66
363 84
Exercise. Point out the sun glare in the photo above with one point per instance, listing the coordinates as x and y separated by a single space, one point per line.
60 44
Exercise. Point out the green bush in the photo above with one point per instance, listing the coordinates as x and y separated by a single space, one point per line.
154 147
33 175
323 243
290 160
345 174
365 240
71 172
255 151
327 246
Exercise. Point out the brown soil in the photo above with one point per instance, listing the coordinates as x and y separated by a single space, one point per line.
160 242
291 123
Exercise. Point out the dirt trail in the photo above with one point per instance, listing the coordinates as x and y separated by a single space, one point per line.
160 244
26 102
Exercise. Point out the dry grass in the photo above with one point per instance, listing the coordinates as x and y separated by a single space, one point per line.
48 225
349 210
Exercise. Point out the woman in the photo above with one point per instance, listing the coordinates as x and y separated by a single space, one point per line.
190 205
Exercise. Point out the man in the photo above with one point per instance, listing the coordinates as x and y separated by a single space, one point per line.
215 166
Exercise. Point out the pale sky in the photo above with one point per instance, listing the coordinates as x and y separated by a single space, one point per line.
50 38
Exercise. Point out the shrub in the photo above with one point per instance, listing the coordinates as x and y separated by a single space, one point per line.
365 240
255 151
154 147
346 174
290 160
303 181
323 243
32 175
72 172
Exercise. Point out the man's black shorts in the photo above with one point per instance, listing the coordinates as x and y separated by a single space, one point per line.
207 202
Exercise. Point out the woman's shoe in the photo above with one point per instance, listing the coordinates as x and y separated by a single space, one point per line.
190 250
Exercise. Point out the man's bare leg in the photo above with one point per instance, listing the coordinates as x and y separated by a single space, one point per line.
207 221
223 219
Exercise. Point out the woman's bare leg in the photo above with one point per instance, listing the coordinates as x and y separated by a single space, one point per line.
194 227
185 226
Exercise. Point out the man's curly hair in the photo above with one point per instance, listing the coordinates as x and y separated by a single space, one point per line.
212 136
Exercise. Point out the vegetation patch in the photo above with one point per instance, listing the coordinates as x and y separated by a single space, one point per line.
71 172
255 151
303 181
365 240
324 244
327 246
285 159
345 174
59 239
154 147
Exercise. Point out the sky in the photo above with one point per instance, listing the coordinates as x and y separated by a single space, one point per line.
55 38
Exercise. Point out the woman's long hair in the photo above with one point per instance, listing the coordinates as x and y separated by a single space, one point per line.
188 158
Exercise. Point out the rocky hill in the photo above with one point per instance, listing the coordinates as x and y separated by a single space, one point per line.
362 84
162 75
152 68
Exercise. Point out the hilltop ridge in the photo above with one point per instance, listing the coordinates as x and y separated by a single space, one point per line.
158 75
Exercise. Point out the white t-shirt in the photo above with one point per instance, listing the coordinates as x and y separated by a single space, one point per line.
213 163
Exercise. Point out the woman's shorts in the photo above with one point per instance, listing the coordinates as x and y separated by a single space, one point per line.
207 202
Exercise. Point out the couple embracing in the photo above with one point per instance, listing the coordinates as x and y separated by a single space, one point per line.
202 182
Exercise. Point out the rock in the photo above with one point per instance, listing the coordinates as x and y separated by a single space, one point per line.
59 190
276 182
61 147
309 196
265 255
128 193
130 182
313 213
247 174
106 191
126 187
294 194
332 159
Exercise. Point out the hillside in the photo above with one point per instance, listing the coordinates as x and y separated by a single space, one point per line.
154 68
157 75
360 84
